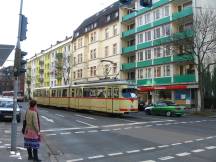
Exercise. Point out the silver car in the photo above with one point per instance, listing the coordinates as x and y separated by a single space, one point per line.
6 109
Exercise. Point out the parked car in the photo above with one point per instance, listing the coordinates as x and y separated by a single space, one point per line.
167 108
6 109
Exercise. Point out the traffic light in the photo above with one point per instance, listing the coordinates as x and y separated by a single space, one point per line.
19 63
24 23
125 2
146 3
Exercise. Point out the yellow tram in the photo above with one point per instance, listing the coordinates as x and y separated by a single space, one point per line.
114 96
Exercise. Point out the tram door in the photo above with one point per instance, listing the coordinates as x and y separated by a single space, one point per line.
116 101
109 101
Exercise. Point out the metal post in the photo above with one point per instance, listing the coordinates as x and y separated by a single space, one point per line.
14 122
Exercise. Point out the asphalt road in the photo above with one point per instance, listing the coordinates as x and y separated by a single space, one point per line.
82 136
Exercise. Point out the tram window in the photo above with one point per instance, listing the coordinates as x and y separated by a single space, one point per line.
93 92
101 93
64 93
129 93
86 92
59 93
109 93
79 92
116 93
53 93
72 93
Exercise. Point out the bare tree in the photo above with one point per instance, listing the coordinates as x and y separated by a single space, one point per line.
200 42
66 69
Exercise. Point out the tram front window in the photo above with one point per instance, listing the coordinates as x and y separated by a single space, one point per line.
129 93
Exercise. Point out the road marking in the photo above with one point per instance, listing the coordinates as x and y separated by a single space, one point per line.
128 128
65 133
150 148
166 158
74 160
210 137
115 154
105 130
175 144
188 141
132 151
159 124
60 115
183 154
87 117
198 150
92 131
163 146
80 132
148 161
147 126
200 139
85 123
117 129
50 135
47 119
0 141
211 147
96 157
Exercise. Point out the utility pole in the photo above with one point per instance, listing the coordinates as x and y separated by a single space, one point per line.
16 80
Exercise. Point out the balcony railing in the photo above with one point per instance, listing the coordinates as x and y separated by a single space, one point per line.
187 78
186 12
129 66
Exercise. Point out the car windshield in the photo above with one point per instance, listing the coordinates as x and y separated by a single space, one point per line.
6 104
129 93
170 103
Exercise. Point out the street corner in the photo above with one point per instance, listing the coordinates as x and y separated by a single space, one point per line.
13 156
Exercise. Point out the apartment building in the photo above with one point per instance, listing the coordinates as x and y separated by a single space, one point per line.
159 71
96 46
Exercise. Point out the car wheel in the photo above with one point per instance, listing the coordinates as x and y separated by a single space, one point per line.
148 112
168 113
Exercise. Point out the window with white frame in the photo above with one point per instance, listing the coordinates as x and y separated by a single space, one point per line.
106 51
93 54
157 14
148 73
157 33
167 50
147 18
114 68
140 73
93 37
115 49
93 71
166 70
80 58
166 30
148 54
80 42
157 72
108 18
148 36
115 30
140 38
166 11
79 73
157 52
106 33
140 20
140 56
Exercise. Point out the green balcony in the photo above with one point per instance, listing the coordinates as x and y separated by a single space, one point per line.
129 16
144 27
188 78
186 12
145 82
129 66
164 80
128 33
183 58
144 64
128 49
160 3
144 45
163 60
161 21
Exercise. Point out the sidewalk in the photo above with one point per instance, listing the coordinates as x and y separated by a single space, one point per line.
6 155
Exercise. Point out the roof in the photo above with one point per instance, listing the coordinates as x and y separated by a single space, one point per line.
5 51
98 17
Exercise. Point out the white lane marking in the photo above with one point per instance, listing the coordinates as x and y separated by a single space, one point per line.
211 147
117 129
159 124
150 148
80 132
47 119
188 141
105 130
147 126
50 135
87 117
93 131
85 123
66 129
200 139
183 122
166 158
74 160
148 161
128 128
183 154
96 157
132 151
60 115
65 133
163 146
210 137
175 144
198 150
0 141
115 154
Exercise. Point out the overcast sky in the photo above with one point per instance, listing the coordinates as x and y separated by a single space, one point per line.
49 21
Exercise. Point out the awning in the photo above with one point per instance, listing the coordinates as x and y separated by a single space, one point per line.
166 87
5 51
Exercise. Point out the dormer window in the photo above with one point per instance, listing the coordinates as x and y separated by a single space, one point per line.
108 18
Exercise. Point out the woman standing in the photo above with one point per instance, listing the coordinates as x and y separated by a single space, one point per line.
32 132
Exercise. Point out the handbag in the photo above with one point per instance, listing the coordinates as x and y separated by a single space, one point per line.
24 125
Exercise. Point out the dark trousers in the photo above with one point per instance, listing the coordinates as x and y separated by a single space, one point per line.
32 154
